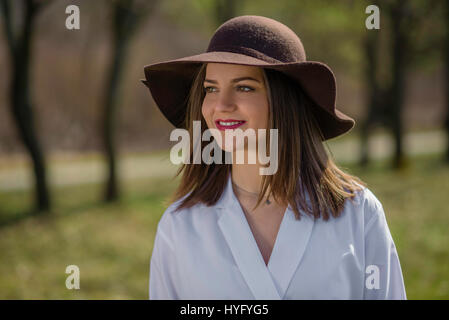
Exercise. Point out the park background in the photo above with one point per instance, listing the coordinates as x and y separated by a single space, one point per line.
84 152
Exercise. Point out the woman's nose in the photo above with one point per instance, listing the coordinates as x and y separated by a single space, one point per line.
225 101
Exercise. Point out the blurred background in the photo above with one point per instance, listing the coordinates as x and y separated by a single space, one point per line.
84 151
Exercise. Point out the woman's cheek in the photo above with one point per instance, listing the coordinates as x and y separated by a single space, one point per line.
206 114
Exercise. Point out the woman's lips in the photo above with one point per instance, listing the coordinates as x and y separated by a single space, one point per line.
228 124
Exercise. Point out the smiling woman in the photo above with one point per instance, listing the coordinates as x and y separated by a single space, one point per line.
309 230
237 99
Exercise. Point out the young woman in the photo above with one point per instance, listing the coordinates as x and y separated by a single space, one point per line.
307 231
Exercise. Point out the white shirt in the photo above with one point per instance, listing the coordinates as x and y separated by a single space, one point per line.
210 253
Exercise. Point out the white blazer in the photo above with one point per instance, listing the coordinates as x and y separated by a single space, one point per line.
210 253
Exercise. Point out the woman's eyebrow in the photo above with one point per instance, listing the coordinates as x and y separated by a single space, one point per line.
234 80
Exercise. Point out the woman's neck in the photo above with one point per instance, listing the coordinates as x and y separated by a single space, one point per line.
247 177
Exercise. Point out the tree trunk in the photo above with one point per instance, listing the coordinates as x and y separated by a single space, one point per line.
124 22
446 64
127 15
399 47
23 116
112 95
21 106
373 92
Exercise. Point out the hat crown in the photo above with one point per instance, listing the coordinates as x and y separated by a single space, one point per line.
258 37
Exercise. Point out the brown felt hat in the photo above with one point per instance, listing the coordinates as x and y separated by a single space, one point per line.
253 41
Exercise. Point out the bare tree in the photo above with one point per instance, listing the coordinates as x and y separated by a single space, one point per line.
19 38
386 95
446 65
400 16
127 15
376 95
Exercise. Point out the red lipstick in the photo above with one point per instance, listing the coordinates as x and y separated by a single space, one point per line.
228 123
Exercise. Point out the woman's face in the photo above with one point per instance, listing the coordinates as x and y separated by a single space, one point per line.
236 97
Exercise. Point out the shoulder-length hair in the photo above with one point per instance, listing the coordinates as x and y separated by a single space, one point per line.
305 167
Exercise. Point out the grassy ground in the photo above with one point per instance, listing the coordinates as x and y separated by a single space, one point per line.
111 244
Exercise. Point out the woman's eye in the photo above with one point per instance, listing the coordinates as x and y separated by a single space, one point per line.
245 88
239 88
208 89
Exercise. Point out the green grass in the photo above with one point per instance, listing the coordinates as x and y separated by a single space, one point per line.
111 244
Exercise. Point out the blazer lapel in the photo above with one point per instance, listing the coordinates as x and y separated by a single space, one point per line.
240 240
269 283
289 248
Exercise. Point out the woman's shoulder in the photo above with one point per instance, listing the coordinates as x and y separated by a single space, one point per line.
175 216
366 197
365 203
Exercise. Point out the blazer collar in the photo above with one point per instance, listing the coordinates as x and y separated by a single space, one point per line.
265 282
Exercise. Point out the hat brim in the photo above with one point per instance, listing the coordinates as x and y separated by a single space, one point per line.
170 81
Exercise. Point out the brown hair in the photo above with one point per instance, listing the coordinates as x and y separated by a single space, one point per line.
305 165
